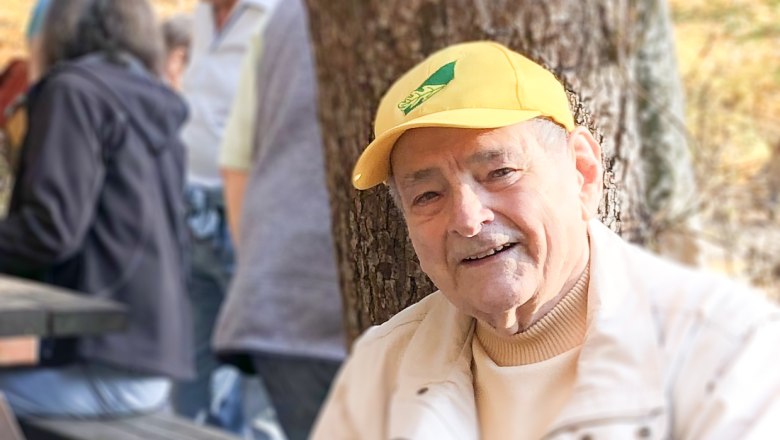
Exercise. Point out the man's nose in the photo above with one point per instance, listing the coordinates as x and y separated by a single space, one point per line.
469 212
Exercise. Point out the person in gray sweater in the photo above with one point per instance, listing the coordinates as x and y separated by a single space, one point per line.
282 315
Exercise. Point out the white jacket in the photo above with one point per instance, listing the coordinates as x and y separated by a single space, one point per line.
669 353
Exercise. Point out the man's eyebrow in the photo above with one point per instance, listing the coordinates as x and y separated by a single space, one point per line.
480 157
487 156
417 176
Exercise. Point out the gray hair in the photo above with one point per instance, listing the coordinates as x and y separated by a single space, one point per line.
177 33
74 28
549 134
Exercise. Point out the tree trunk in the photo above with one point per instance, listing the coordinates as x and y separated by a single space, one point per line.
361 46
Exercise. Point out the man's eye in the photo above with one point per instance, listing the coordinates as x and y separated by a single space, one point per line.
501 172
424 198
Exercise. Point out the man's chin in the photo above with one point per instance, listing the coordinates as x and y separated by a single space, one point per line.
504 322
507 315
507 328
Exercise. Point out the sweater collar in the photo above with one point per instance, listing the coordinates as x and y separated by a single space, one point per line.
560 330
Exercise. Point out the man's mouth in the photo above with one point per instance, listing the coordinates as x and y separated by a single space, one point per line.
489 252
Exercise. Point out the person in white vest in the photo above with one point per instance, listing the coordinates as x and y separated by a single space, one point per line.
546 323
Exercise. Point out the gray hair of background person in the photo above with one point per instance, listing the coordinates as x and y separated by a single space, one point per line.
74 28
177 32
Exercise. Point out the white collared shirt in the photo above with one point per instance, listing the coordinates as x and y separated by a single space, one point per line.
211 81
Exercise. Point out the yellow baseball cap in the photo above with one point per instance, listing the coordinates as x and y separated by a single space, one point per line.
479 84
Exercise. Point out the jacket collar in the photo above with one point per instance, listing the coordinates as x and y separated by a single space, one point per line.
619 366
435 381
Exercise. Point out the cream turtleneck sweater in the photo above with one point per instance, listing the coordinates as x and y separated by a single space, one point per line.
522 382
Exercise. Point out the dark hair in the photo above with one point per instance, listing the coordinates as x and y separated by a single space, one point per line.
74 28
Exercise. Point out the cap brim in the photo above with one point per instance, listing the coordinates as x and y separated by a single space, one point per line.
374 163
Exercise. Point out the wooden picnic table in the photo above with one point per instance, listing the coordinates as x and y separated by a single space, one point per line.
37 309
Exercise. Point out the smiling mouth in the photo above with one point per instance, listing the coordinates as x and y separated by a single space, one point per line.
489 253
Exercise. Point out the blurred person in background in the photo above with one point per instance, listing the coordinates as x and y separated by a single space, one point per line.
221 35
282 317
177 35
97 208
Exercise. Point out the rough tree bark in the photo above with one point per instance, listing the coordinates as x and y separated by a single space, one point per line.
361 46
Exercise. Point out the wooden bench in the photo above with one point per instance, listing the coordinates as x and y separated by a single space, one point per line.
156 426
30 308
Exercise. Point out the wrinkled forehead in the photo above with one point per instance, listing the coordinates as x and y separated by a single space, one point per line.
422 148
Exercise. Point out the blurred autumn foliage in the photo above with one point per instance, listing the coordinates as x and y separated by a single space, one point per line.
729 58
729 54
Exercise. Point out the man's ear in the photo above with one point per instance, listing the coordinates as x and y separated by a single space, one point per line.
590 176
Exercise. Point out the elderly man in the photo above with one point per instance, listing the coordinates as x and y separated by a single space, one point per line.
546 324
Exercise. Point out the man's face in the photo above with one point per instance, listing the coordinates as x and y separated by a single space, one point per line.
174 66
497 220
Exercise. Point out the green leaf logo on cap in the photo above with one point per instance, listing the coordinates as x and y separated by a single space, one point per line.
430 87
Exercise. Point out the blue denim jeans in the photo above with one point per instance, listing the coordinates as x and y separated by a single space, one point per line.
214 396
82 391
